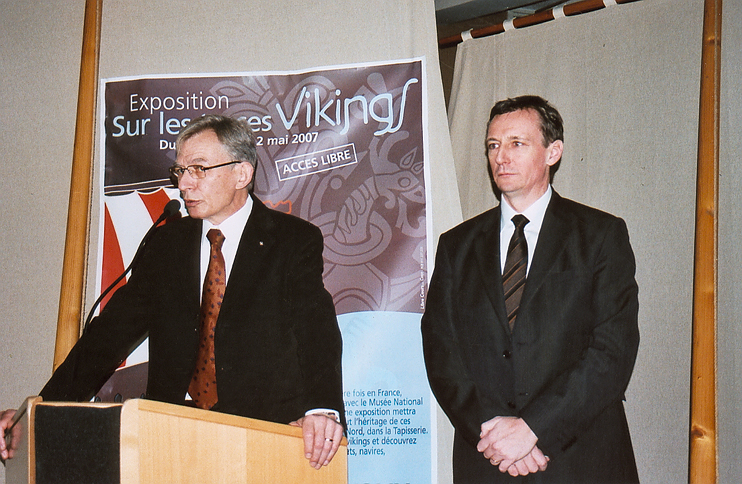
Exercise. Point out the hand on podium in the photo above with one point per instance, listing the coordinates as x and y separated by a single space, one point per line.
322 436
7 449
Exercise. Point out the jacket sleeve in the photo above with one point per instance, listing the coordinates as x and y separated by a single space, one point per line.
318 334
449 378
108 340
121 326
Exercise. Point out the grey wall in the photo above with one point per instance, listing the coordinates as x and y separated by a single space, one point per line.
40 65
41 43
729 336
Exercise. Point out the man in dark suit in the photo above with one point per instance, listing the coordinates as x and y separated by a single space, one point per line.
276 343
532 371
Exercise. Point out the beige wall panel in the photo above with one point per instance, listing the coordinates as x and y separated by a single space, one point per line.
729 346
40 60
40 63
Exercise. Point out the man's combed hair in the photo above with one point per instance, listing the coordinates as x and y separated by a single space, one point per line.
234 134
552 126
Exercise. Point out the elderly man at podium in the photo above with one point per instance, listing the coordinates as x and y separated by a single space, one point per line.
232 300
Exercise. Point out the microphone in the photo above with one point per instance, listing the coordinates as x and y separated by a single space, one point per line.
171 208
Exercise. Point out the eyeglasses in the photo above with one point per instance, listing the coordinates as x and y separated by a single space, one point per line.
196 171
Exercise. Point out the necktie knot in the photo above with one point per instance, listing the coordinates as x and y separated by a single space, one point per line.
216 238
520 221
519 236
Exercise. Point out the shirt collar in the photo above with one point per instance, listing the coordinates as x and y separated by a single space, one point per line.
535 213
233 226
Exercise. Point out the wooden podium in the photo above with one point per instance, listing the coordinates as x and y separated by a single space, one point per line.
150 442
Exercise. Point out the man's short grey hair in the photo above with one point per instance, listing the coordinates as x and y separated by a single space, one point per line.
234 134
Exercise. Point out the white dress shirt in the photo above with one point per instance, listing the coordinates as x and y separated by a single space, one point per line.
232 229
535 215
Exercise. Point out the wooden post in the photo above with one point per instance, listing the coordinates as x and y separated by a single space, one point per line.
78 215
703 442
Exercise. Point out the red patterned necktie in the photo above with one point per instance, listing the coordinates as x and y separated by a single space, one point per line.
203 385
514 275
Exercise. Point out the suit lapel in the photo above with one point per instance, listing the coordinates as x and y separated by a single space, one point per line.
487 250
551 240
257 239
193 282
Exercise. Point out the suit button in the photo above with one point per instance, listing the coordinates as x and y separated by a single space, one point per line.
507 354
511 405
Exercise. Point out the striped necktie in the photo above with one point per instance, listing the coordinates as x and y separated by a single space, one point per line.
516 263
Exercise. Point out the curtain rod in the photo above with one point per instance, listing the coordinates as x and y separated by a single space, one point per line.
568 10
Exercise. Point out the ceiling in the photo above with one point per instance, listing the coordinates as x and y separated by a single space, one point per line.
455 11
456 16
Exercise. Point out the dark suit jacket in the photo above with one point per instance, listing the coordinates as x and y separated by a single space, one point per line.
566 365
278 346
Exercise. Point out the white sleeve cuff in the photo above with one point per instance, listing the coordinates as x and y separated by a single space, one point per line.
327 412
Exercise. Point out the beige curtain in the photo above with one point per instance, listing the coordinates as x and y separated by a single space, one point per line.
626 80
